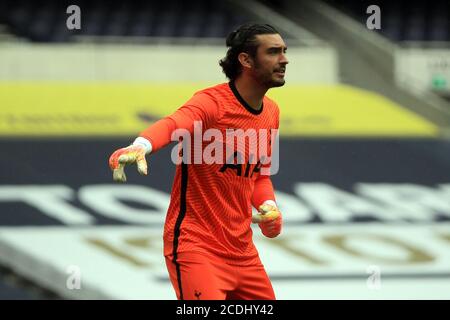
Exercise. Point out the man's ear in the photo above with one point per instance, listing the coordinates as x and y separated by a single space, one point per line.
245 60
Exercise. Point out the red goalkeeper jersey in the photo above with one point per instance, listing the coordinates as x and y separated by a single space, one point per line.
211 203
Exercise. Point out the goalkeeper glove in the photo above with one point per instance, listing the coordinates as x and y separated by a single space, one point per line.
128 155
269 220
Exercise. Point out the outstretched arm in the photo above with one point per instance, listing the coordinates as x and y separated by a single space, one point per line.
201 107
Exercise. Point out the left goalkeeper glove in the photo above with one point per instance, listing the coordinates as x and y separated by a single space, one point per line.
124 156
269 220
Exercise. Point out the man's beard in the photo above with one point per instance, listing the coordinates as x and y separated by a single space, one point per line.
266 78
278 83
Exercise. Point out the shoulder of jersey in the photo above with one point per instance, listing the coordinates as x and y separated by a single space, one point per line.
222 87
270 103
215 93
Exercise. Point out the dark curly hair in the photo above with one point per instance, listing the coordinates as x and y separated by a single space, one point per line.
243 39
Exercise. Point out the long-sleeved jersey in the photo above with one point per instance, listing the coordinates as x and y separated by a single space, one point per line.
210 208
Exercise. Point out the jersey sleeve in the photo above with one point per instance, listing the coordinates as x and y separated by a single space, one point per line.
201 107
263 191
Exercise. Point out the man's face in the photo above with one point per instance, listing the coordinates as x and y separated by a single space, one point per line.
270 61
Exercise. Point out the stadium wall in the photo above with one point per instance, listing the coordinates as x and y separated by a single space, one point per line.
27 61
423 69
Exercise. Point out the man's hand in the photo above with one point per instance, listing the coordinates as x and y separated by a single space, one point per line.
269 220
128 155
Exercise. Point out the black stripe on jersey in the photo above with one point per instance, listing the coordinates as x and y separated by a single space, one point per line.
242 101
181 215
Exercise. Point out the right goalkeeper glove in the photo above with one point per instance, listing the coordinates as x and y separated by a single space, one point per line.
128 155
269 219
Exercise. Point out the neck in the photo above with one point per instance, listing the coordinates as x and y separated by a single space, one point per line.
251 91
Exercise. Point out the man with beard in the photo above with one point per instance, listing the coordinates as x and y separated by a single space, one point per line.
208 243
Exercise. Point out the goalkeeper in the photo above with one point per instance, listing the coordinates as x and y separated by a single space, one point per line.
208 243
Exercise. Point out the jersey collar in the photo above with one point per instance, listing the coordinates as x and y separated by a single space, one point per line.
242 101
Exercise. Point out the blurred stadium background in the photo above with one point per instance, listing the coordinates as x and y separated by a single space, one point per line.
364 180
